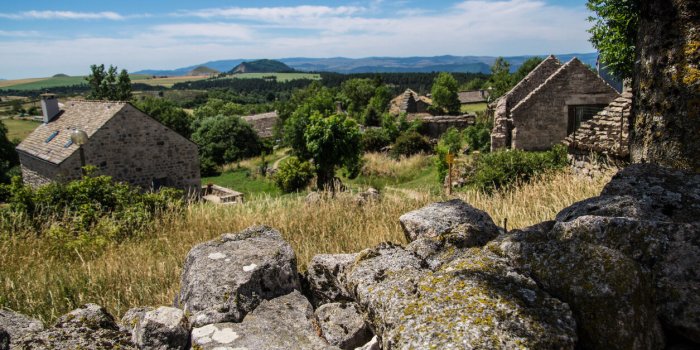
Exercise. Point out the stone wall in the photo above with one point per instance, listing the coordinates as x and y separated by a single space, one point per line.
541 119
131 147
435 126
666 109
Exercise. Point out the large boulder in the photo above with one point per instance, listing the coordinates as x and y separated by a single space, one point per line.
165 328
132 318
610 294
286 322
89 327
226 278
477 301
16 324
343 326
669 251
455 221
644 192
373 344
325 277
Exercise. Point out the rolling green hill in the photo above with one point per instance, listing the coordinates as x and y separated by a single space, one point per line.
203 71
262 66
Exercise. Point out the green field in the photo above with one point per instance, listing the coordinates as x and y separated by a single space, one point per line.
47 83
18 128
281 77
474 107
245 182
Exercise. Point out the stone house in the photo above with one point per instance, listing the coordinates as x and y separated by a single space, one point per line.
263 123
122 142
548 104
409 102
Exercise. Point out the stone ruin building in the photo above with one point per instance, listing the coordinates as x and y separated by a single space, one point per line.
604 139
263 123
409 102
122 142
548 104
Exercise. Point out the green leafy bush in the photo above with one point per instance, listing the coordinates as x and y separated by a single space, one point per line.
502 169
450 142
373 140
293 175
91 210
410 143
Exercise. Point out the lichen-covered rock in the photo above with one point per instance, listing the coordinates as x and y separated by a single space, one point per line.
165 328
325 278
610 294
286 322
455 221
644 192
670 251
476 301
132 318
4 340
89 327
370 195
226 278
16 324
342 325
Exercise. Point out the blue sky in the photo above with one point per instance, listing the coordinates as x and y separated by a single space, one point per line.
42 38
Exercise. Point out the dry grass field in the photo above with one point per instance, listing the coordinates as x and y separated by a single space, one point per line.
37 280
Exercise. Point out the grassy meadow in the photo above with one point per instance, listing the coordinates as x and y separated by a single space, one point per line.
19 128
51 82
281 77
473 108
38 280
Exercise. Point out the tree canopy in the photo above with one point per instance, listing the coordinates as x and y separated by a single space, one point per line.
167 113
333 142
107 85
8 155
225 139
444 93
614 33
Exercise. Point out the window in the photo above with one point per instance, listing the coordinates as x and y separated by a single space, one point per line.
581 113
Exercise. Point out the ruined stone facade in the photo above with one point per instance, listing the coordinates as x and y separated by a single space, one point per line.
123 142
435 126
263 124
666 110
541 110
409 102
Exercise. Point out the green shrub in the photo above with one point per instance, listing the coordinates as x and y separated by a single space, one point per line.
502 169
410 143
478 136
373 140
293 175
93 209
450 142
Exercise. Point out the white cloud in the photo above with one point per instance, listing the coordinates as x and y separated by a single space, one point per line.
18 33
62 15
271 14
203 30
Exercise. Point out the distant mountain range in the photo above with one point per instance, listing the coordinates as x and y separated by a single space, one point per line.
473 64
262 66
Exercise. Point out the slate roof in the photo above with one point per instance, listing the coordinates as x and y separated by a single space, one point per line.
263 124
607 132
400 103
476 96
88 116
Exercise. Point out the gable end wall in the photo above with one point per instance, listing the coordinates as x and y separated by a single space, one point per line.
540 121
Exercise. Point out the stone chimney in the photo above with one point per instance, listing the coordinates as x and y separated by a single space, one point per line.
49 106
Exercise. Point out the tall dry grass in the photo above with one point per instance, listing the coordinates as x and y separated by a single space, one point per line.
36 280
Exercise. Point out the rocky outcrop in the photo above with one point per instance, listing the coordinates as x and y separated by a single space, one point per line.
286 322
165 328
342 325
226 278
88 327
16 325
324 278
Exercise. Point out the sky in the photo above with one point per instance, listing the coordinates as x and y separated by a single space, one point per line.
41 38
